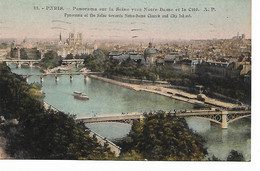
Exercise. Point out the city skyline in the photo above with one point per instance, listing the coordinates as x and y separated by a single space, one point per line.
224 23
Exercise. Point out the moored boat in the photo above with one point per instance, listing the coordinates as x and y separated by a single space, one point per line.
80 96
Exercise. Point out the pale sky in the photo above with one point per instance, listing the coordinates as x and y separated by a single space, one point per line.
18 19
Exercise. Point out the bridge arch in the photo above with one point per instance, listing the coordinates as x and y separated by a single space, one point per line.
240 117
204 118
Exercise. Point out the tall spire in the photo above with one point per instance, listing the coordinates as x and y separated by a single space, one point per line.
60 36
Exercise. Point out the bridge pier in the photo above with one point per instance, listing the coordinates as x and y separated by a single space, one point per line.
30 64
41 79
224 136
19 64
85 78
56 78
224 123
77 65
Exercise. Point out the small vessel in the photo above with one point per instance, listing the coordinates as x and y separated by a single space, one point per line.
80 96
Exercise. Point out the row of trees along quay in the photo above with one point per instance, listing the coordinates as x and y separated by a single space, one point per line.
226 89
32 132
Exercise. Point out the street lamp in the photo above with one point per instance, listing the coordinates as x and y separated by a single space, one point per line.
200 87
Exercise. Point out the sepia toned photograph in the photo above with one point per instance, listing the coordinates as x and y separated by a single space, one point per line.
115 80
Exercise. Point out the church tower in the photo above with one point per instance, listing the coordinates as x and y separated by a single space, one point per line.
60 41
60 37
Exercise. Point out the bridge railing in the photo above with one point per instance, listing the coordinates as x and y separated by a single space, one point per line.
106 140
50 106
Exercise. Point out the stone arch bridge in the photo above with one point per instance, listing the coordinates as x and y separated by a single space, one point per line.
31 62
57 75
19 62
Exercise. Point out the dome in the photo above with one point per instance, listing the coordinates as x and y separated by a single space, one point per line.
149 51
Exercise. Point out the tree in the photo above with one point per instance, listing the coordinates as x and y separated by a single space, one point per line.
162 136
132 155
50 60
40 133
17 99
82 56
100 56
235 156
96 62
69 56
214 158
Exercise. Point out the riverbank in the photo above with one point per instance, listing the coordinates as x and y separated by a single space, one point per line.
104 95
171 93
58 68
159 88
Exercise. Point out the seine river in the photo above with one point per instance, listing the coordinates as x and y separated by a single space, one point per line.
109 99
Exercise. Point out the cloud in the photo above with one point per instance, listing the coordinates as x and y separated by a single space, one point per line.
60 28
136 29
60 21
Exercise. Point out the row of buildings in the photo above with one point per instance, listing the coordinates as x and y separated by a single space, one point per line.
72 45
218 58
191 60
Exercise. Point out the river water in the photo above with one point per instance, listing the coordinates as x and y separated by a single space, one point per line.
109 99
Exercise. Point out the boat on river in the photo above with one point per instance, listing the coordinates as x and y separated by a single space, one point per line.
80 95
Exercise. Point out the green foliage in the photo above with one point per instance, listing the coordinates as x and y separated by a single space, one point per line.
131 69
162 136
99 62
235 156
82 56
96 61
54 135
50 60
235 88
41 134
31 53
16 100
99 56
69 56
132 155
214 158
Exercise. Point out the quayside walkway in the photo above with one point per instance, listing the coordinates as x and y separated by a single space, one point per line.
100 139
172 93
223 118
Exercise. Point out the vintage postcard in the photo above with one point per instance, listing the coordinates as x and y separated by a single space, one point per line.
140 80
